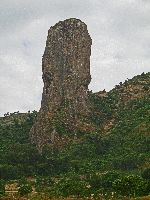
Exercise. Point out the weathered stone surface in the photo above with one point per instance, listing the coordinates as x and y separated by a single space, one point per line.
66 76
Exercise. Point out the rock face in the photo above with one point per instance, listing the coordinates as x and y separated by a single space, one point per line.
66 76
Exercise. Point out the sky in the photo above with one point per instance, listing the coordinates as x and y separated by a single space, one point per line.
120 32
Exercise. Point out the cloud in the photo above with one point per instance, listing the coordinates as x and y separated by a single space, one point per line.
120 30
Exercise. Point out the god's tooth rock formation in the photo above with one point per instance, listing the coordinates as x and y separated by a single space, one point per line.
66 76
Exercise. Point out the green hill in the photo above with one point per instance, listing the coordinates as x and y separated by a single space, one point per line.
115 158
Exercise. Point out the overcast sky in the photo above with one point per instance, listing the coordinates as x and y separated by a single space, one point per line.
120 31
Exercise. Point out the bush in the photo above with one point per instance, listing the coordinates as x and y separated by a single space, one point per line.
25 189
8 172
103 181
108 178
42 184
22 181
146 174
71 185
146 87
131 186
127 162
2 188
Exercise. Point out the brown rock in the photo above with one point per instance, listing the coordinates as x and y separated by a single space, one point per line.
66 76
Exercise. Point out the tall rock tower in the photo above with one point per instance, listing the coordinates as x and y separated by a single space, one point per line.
66 76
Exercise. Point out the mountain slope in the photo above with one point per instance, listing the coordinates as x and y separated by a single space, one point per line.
119 147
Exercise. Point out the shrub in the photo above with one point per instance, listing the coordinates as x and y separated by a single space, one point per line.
146 174
43 184
103 181
71 185
146 87
2 188
127 162
25 189
131 186
22 181
8 172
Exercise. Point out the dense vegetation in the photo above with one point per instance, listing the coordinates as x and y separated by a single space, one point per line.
112 161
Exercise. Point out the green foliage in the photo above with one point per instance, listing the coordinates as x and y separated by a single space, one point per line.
8 171
43 183
58 123
70 185
102 183
108 178
100 162
22 181
129 139
25 189
2 188
128 161
146 174
103 108
131 186
146 87
17 156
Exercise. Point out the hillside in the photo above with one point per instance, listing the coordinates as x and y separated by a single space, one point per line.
113 158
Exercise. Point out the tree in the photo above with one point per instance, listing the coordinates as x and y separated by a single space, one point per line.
2 188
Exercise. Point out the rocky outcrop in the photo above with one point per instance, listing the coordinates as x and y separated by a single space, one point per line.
66 76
